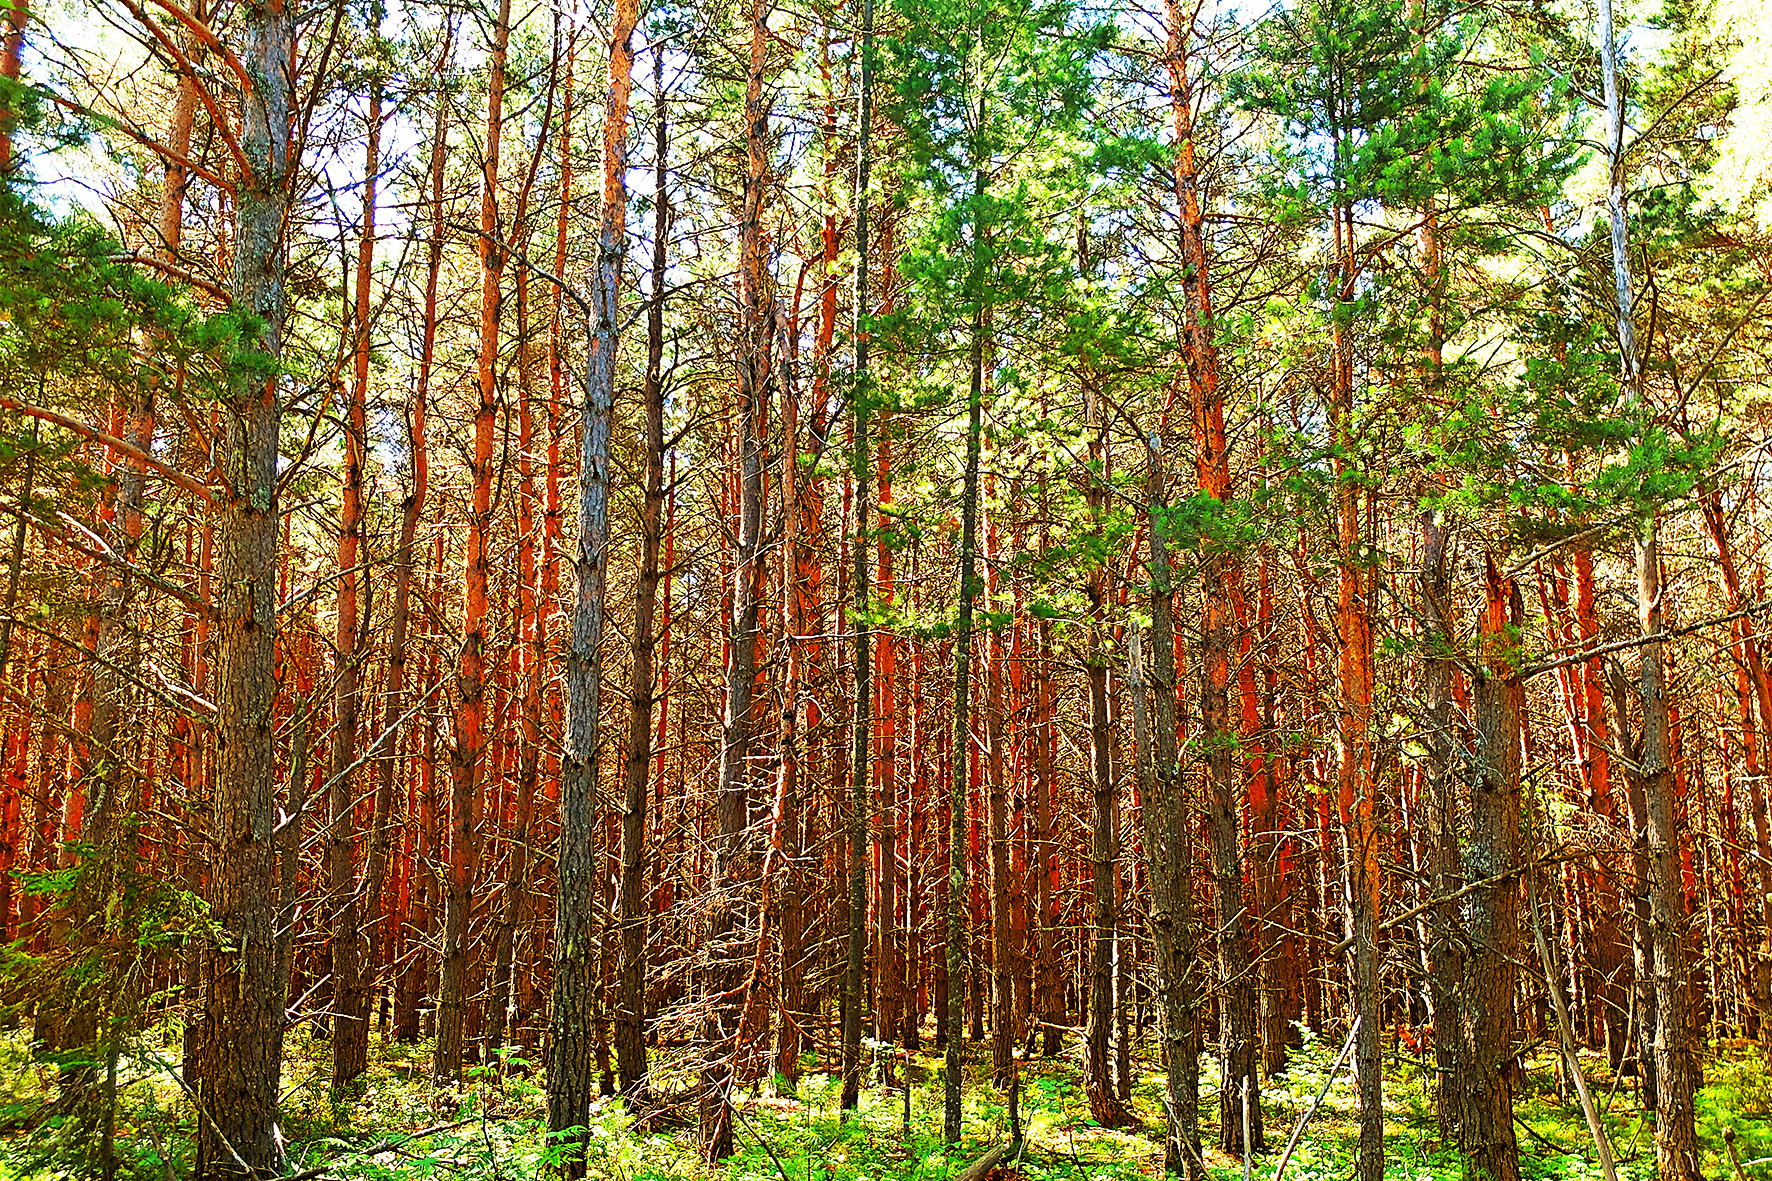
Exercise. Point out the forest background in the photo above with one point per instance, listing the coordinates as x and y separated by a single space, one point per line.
658 551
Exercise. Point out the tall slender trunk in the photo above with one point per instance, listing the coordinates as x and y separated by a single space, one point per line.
1485 998
862 705
1003 950
801 714
889 973
785 822
1104 839
1444 871
1676 1138
1643 1020
234 1051
970 585
16 560
1676 1068
1222 613
572 1050
505 1004
470 713
1048 983
412 509
732 863
1355 782
109 777
1443 948
350 1040
1612 1004
630 1013
1168 854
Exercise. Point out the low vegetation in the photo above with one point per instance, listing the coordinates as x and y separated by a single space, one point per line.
394 1126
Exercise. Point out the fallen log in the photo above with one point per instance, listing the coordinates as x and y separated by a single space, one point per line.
981 1168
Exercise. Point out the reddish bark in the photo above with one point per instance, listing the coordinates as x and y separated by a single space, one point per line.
470 708
350 1041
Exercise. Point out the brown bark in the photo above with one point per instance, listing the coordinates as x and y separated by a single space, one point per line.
861 706
1445 747
1098 1083
573 1045
889 971
233 1065
953 1084
406 1002
733 867
1223 616
470 712
1356 784
1676 1068
1661 900
630 1041
800 714
12 40
16 562
1048 984
1484 1001
1002 901
505 1009
1168 853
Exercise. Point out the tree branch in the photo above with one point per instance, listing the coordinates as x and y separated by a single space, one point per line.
189 483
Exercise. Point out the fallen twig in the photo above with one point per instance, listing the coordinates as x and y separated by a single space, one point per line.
1346 1049
385 1144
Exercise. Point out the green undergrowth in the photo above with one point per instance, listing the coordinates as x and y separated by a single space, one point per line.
393 1126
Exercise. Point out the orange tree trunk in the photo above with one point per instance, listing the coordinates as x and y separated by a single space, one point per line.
470 709
350 1040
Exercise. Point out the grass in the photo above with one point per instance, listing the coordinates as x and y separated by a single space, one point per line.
493 1128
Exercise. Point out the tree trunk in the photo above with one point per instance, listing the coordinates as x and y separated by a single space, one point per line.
1104 840
504 1003
234 1051
861 718
953 1085
572 1049
732 866
1485 998
889 973
470 713
1661 896
1444 744
1168 850
350 1038
1222 609
1003 951
1355 780
630 1003
406 990
12 40
1676 1135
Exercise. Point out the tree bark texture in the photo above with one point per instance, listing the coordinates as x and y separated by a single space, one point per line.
572 1044
733 866
233 1067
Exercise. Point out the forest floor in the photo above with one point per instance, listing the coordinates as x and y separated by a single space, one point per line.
394 1126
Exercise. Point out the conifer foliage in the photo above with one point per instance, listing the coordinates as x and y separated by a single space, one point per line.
679 547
